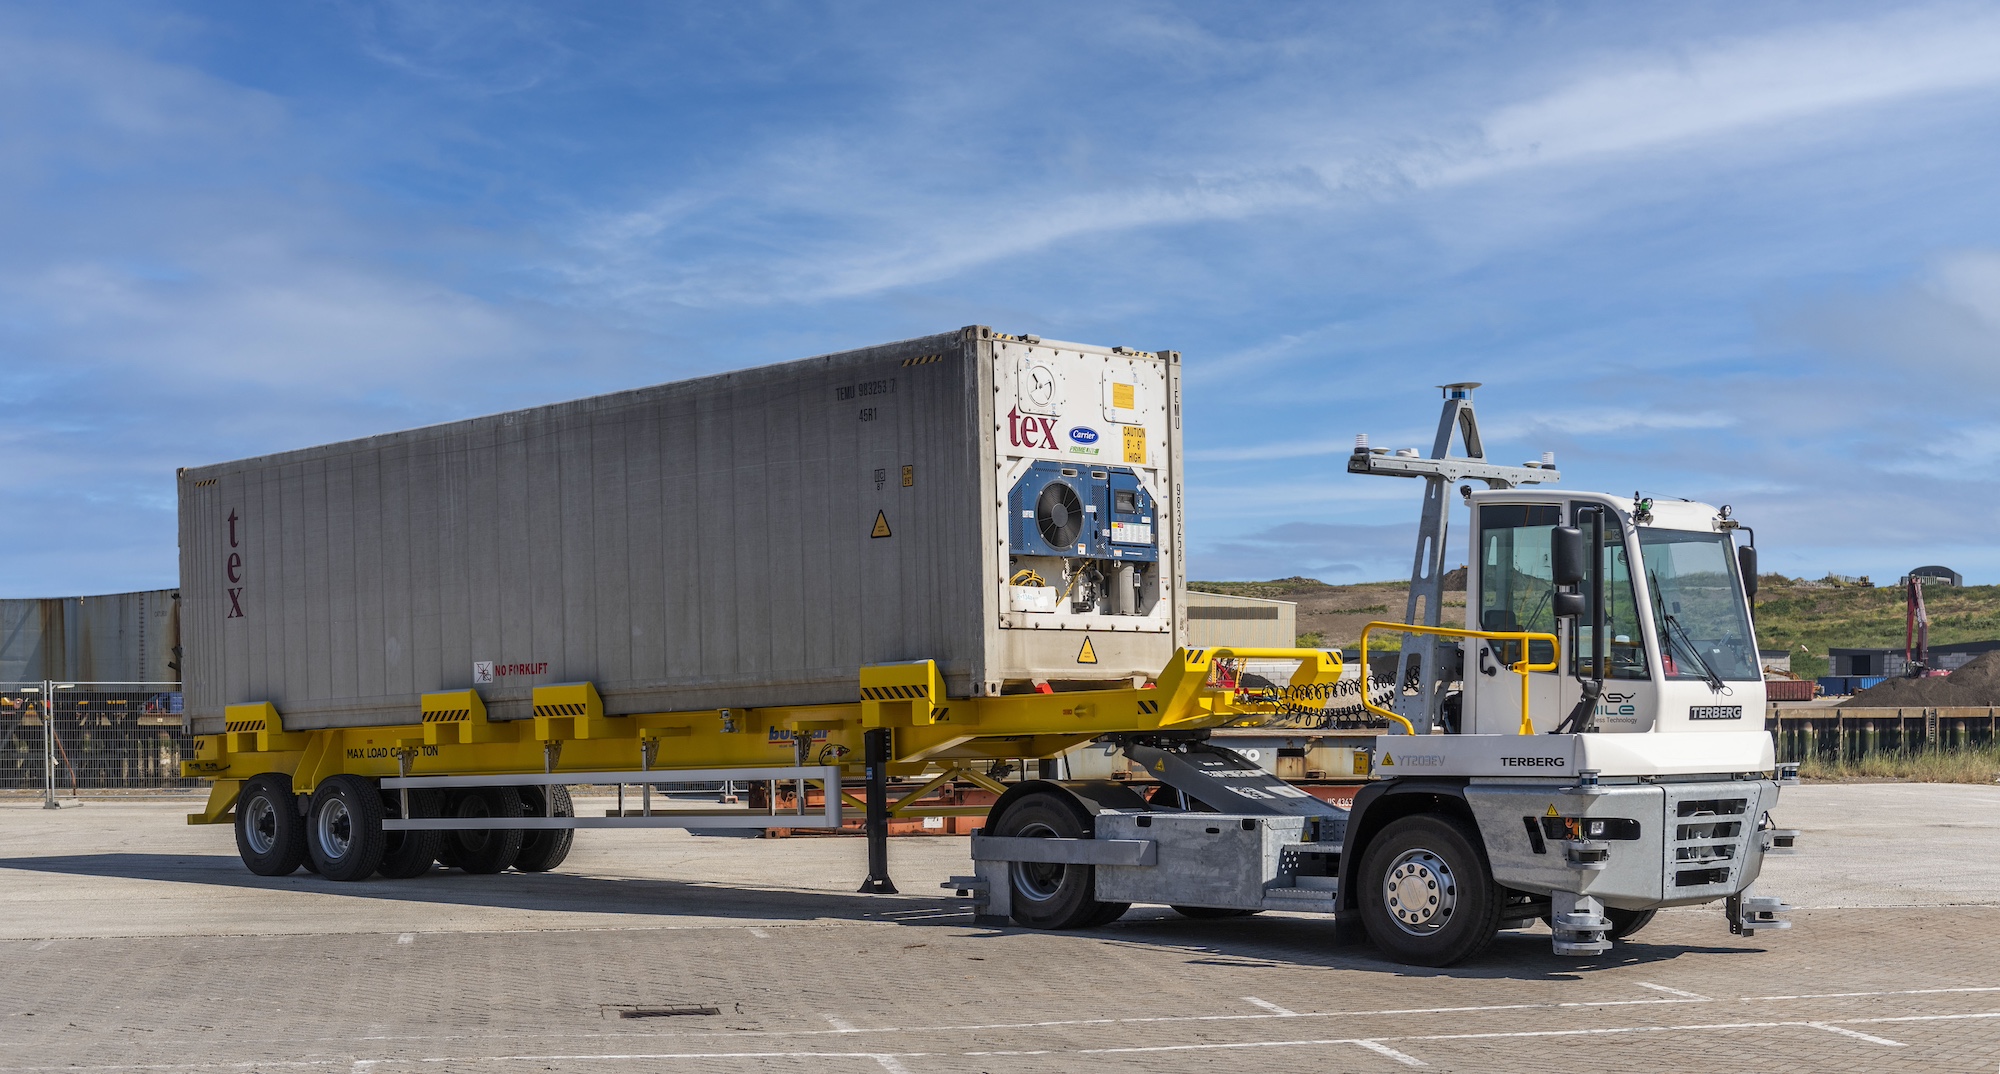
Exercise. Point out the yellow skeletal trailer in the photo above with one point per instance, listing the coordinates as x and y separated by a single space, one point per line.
294 793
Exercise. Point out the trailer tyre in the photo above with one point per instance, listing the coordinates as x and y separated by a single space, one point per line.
487 850
344 828
545 849
1426 898
409 854
270 834
1049 896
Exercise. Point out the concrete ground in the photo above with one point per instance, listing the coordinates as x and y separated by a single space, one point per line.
133 942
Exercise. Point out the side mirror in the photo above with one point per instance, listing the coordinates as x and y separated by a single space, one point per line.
1746 561
1566 557
1568 605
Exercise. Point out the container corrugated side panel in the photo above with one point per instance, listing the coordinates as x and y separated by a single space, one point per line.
687 546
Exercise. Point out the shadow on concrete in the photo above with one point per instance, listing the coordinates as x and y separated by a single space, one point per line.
1524 955
555 892
1244 943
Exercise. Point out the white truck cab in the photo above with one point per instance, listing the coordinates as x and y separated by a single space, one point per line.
1639 777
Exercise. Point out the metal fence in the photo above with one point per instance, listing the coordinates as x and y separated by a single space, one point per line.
72 739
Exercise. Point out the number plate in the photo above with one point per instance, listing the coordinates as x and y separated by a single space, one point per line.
1716 712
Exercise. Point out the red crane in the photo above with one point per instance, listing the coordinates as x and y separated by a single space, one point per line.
1916 630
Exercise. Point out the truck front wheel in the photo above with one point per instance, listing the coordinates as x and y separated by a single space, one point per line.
344 828
270 834
1047 895
1426 899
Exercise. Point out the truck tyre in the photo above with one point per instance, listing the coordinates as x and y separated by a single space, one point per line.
1210 913
1053 896
344 828
545 849
270 834
409 854
486 850
1626 922
1426 898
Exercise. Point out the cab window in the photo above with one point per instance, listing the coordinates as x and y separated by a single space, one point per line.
1516 583
1624 649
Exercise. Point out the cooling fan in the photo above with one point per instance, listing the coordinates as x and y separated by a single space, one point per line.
1059 515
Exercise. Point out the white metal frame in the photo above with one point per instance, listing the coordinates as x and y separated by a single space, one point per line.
828 776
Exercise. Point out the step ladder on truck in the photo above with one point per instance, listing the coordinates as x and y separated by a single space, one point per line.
1603 758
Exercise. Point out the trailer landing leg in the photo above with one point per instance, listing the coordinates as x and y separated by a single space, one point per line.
876 747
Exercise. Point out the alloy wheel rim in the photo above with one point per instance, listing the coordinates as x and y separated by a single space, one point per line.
1035 880
1420 892
336 829
260 824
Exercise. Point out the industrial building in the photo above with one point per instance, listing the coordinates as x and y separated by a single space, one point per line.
1890 663
1250 622
1934 575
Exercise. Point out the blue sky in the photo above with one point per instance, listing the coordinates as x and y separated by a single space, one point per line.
1739 253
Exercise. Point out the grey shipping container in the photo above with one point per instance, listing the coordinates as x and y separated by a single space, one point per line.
1004 505
113 637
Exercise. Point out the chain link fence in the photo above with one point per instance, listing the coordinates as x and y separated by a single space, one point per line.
79 739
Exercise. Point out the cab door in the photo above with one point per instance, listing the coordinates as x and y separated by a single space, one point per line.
1512 589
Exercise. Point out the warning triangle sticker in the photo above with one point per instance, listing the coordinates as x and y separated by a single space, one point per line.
1552 811
881 525
1086 655
1387 760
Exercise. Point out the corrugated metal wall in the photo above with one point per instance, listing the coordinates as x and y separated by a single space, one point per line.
684 546
116 637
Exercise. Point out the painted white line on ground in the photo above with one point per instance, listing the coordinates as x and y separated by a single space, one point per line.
1690 1028
1270 1006
43 946
1864 995
1673 991
760 934
891 1064
1918 1018
1383 1049
1048 1024
842 1027
408 937
1373 1044
1858 1035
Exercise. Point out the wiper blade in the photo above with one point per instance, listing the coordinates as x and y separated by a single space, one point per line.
1688 646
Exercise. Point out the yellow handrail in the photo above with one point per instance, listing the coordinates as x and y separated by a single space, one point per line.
1520 667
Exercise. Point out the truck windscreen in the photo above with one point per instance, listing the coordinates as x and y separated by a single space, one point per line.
1698 605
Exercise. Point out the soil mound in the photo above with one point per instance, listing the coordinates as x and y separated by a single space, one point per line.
1975 684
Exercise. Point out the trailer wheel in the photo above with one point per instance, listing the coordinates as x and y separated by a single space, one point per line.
270 834
545 849
486 850
344 828
1626 922
1426 898
1209 913
409 854
1048 896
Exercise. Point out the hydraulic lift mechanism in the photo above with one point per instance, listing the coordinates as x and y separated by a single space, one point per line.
1585 749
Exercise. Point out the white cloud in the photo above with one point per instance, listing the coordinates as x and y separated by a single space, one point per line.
1661 102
